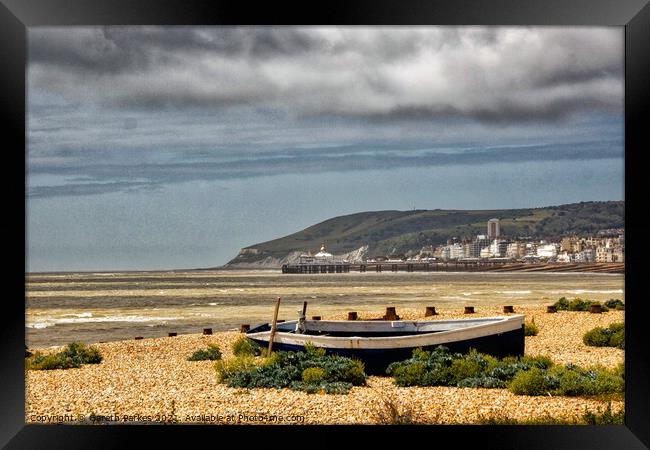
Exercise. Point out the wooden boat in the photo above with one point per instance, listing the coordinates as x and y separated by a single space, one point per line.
379 343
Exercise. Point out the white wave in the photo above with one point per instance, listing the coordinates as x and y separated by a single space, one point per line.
49 322
213 304
85 314
588 291
514 292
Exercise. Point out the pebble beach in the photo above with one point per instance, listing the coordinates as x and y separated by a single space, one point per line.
150 381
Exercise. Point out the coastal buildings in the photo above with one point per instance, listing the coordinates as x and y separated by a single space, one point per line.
604 246
607 246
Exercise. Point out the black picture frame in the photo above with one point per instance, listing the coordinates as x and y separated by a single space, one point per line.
17 15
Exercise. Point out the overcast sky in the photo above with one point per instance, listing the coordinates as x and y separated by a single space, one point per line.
168 147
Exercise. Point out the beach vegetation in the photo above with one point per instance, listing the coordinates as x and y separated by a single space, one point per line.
311 371
614 303
568 380
228 368
578 304
212 353
312 375
74 355
503 419
602 416
244 346
611 336
530 329
524 375
390 412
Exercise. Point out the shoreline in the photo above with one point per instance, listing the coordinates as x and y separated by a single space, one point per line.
527 268
151 377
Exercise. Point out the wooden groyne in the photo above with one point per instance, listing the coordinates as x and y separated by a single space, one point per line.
454 266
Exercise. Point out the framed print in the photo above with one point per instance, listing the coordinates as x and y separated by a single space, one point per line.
411 218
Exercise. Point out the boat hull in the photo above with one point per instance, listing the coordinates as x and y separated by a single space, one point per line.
376 360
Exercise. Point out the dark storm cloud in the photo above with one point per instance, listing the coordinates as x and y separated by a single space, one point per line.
486 74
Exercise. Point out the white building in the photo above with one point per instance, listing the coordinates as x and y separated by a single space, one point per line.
587 255
547 251
322 257
456 251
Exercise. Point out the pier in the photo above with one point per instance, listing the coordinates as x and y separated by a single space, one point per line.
453 266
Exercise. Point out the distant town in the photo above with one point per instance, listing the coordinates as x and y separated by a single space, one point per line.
606 246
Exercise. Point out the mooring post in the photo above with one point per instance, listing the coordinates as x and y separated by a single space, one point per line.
469 310
137 338
430 311
207 331
274 326
244 327
352 315
551 309
508 309
171 334
596 308
391 313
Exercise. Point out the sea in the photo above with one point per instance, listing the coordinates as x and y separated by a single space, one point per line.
99 307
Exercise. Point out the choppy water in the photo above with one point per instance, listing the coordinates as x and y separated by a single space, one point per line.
92 307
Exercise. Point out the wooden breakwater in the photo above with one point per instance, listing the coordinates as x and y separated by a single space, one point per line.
454 266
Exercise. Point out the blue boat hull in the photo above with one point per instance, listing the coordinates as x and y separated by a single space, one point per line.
510 343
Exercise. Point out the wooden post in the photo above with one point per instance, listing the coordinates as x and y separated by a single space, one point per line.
172 334
551 309
274 326
352 315
595 308
469 310
304 308
137 338
508 309
207 331
244 327
315 317
430 311
391 313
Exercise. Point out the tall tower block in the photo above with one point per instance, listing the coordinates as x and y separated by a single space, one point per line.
493 230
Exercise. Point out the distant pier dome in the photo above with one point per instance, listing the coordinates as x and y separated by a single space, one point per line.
322 257
323 253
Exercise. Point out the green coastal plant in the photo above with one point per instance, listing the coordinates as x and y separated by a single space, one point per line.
530 329
569 380
522 375
212 353
311 371
611 336
606 417
614 303
244 346
577 304
599 417
74 355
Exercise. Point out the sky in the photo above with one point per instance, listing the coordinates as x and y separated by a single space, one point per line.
174 147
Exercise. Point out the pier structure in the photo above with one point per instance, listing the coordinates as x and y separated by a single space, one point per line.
482 265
